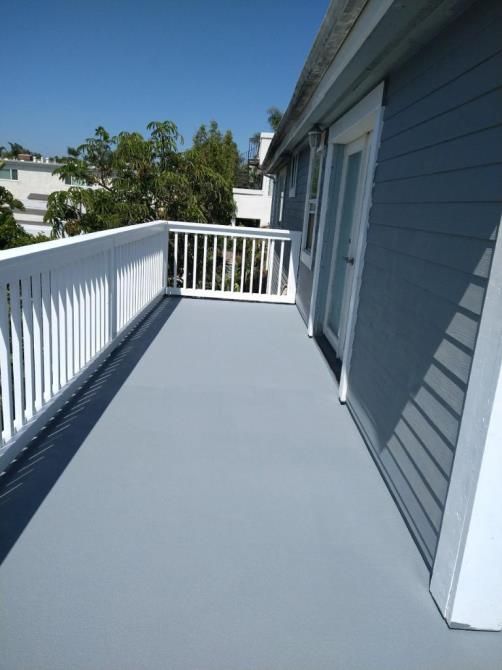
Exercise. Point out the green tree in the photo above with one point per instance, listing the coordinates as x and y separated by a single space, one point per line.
11 233
274 116
217 150
130 179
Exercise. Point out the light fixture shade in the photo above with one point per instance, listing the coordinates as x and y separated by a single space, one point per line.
314 137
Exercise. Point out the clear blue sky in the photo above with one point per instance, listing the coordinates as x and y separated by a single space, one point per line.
70 66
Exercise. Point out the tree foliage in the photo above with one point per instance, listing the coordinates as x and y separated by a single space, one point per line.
15 150
129 178
218 150
274 116
11 233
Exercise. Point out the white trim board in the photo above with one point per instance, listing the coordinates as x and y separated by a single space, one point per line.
466 580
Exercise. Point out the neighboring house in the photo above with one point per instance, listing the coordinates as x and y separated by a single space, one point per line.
31 182
389 160
254 205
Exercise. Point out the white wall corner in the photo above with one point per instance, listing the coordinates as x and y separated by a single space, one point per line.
466 581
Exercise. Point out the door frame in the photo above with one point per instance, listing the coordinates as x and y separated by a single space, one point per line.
336 340
365 117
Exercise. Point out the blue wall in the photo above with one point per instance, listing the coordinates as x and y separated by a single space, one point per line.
436 207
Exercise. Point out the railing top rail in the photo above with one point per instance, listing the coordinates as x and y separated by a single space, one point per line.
79 240
65 250
232 231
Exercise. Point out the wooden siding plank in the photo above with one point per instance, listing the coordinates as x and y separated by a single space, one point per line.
470 256
478 149
477 184
453 285
447 57
484 77
474 116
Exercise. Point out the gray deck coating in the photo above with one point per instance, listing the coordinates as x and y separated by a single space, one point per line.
204 503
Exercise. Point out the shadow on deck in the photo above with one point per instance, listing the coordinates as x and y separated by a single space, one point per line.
28 481
204 502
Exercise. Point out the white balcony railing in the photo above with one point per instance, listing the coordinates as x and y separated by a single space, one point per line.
232 263
64 305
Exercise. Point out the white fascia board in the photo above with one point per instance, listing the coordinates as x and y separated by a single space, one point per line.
369 19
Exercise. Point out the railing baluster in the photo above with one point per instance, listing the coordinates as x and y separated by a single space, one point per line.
175 278
243 263
195 245
93 305
62 326
5 367
126 283
134 282
204 262
17 363
185 262
279 276
108 290
82 313
215 253
55 330
253 251
69 321
262 254
137 290
105 310
270 265
117 280
36 288
27 321
122 287
224 266
143 291
87 313
234 245
99 305
76 318
46 334
130 283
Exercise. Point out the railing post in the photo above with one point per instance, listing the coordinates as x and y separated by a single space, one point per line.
294 258
165 263
112 301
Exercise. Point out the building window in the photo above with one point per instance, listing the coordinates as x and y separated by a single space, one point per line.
281 186
293 176
74 181
312 206
8 173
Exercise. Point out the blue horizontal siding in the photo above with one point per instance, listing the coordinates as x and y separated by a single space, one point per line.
435 215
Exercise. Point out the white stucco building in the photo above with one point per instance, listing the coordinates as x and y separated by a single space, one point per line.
255 205
31 182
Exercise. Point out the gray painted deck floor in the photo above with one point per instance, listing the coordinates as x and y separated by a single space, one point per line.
204 503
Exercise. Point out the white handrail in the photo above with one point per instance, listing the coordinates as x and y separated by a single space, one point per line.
64 304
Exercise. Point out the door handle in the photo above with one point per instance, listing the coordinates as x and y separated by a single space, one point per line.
349 260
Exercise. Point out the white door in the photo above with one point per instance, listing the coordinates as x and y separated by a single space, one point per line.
347 229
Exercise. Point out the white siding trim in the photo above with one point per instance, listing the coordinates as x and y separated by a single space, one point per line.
467 575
